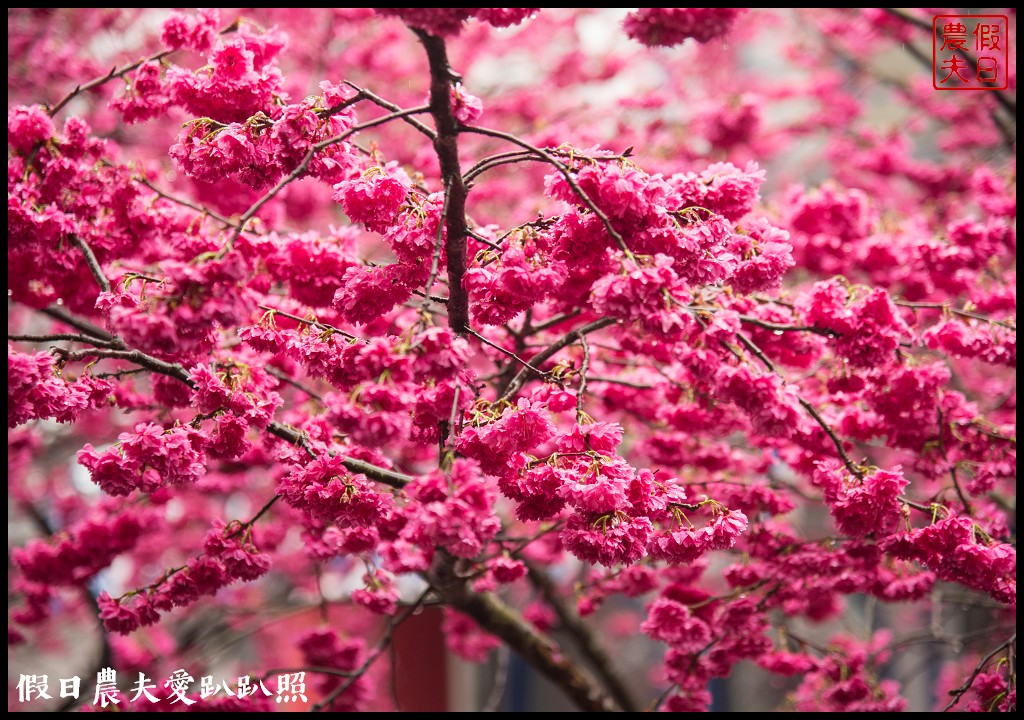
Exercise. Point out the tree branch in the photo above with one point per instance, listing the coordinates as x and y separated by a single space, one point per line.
566 173
185 203
584 637
776 327
61 337
509 353
385 641
311 323
435 258
106 652
584 368
284 432
960 691
947 307
498 619
446 145
301 168
114 73
568 339
94 265
377 100
60 314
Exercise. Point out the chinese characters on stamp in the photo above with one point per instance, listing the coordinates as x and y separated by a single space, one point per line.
970 52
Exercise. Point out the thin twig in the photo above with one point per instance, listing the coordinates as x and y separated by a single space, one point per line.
509 353
518 156
851 466
252 521
271 370
775 327
106 652
620 381
509 158
382 645
311 323
566 173
551 322
284 432
267 674
580 415
946 307
436 258
952 469
568 339
960 691
62 315
185 203
377 100
114 73
480 238
301 168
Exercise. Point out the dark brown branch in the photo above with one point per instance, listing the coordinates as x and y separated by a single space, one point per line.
106 652
946 307
94 264
259 513
584 637
498 619
952 469
60 314
377 100
61 337
446 145
135 357
271 370
284 432
301 168
776 327
311 323
568 339
518 156
267 674
509 158
435 258
551 322
509 353
959 692
851 466
185 203
382 645
813 412
114 73
480 238
619 381
583 378
566 173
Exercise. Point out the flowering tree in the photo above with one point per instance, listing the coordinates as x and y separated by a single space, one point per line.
515 322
